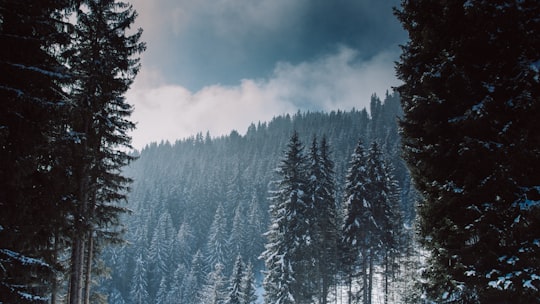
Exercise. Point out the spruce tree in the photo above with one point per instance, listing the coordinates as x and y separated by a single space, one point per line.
217 246
33 220
235 283
355 241
102 60
248 286
286 253
215 290
321 189
470 96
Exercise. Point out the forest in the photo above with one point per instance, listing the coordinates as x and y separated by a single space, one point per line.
429 195
203 201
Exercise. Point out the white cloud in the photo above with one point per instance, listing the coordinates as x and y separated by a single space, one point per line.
337 81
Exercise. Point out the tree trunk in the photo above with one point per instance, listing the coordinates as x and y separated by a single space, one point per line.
76 276
365 277
386 274
370 279
88 273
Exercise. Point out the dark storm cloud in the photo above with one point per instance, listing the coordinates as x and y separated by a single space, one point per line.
218 65
220 41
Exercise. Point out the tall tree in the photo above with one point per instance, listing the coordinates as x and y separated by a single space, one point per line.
235 283
102 58
32 137
470 99
286 255
356 228
321 189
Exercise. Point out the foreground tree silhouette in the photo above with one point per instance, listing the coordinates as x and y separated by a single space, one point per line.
104 63
32 136
471 93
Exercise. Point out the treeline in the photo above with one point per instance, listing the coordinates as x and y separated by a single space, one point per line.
63 129
204 201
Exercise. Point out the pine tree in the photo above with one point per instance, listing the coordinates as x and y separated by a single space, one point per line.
235 283
321 189
237 240
139 283
355 236
248 286
286 253
194 280
102 58
470 98
217 247
214 291
33 137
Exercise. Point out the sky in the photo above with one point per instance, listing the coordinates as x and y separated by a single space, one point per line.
218 65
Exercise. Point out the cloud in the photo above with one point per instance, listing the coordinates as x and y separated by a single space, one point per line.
338 80
200 42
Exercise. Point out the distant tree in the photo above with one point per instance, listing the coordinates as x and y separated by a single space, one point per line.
214 290
286 257
470 98
248 286
194 281
235 283
161 295
139 283
175 292
217 247
237 240
182 245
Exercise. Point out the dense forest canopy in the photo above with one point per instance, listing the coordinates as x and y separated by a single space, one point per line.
185 193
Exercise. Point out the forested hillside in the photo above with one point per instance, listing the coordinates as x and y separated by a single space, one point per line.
204 201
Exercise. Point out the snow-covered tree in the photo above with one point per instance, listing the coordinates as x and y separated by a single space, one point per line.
183 243
139 283
194 280
235 283
214 290
217 247
321 189
471 94
286 256
237 240
248 286
355 236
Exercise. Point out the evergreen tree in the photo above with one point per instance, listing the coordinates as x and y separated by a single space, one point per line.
102 59
194 280
217 247
237 240
248 286
321 188
235 283
355 236
33 136
214 291
286 255
139 283
470 98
